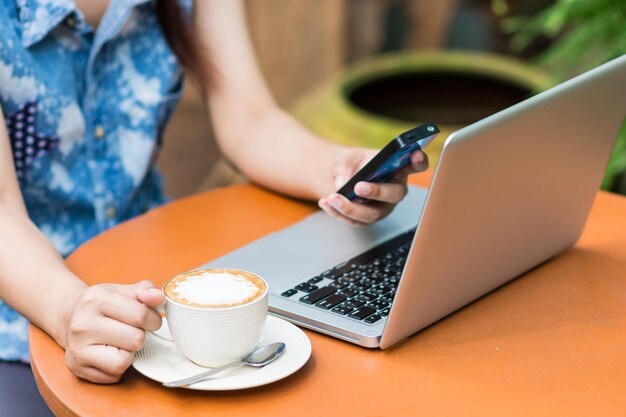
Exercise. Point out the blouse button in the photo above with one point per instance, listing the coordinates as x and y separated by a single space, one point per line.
111 212
99 132
70 21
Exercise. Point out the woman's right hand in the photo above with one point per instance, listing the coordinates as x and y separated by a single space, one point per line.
107 326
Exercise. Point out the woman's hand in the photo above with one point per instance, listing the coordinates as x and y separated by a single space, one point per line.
383 196
107 326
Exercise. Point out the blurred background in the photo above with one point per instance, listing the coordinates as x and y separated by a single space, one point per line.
361 71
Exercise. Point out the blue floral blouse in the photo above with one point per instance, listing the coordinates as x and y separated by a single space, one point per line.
85 111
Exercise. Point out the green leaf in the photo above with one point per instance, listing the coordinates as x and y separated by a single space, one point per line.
585 33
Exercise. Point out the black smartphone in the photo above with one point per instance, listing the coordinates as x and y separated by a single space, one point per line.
391 159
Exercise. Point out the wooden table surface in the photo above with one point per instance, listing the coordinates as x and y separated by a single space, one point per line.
550 343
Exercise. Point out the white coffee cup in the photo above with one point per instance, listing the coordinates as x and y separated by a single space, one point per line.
217 314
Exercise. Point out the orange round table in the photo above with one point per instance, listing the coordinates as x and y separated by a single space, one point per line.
552 342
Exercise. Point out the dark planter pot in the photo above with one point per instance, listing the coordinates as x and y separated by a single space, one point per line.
371 101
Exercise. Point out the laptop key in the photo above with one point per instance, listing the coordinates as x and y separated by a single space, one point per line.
391 269
330 301
372 319
342 309
362 312
347 267
349 292
332 274
369 295
315 280
289 293
392 282
381 290
379 304
339 284
351 277
315 296
366 269
306 287
372 281
361 299
353 303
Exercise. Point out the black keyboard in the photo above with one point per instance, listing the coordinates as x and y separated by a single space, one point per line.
362 288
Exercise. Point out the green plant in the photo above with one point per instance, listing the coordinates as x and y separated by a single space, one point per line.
583 35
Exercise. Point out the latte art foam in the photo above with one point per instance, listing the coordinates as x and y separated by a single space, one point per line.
217 288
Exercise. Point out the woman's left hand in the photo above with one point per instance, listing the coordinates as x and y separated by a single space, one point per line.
382 196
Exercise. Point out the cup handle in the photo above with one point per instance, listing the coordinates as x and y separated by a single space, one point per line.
156 337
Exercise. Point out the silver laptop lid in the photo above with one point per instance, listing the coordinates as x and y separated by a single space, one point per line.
509 192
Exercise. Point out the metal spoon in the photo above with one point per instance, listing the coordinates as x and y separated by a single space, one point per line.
258 358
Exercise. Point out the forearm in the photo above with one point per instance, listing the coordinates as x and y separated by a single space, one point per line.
266 144
276 151
33 277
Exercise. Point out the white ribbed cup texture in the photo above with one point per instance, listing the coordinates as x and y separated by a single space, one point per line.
216 336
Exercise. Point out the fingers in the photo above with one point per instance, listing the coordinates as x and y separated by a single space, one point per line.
382 199
107 326
340 180
99 363
419 161
353 213
323 203
151 297
391 192
110 302
106 331
131 290
94 375
347 162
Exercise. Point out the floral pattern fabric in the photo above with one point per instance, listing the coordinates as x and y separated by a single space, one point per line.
85 110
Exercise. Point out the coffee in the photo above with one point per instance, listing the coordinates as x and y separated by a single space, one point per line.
215 315
215 288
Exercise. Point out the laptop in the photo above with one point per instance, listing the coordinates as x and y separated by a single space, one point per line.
509 192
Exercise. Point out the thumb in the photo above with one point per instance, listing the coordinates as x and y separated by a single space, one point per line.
342 170
148 294
348 162
340 180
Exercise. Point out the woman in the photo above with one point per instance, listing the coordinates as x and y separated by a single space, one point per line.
82 113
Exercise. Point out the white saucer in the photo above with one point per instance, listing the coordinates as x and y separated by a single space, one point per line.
163 363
